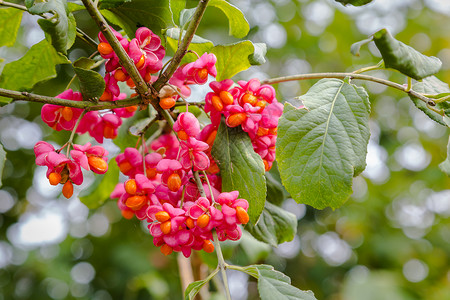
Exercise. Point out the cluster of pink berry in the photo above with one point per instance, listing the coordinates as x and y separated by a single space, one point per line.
66 171
161 186
253 107
161 189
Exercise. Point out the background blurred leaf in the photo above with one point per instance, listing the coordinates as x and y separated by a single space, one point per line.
2 162
321 147
354 2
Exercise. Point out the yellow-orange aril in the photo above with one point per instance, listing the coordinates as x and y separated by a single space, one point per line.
135 202
174 182
127 214
125 167
249 98
67 113
208 246
190 223
151 173
104 48
106 96
166 249
226 97
54 178
217 103
182 135
130 186
67 189
98 164
236 119
141 62
166 227
167 102
109 132
162 216
242 215
120 75
203 221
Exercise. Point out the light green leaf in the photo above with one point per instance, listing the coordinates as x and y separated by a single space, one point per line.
74 6
238 25
445 165
186 16
241 168
275 226
273 284
194 287
431 85
176 6
61 28
321 147
38 64
153 14
403 58
10 19
356 47
354 2
102 187
198 44
92 84
232 59
2 162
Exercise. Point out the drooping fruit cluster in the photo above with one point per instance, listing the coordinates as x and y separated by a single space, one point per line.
67 171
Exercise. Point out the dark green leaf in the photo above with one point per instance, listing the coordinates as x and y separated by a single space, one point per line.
321 147
258 56
61 28
276 193
92 84
403 58
431 85
356 47
354 2
198 44
232 59
124 138
107 4
38 64
2 162
10 19
102 187
239 26
275 226
445 165
153 14
194 287
240 167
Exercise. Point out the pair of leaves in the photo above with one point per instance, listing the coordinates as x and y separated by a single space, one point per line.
61 28
275 225
322 146
10 19
38 64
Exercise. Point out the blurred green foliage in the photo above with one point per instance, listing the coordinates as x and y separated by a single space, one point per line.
389 241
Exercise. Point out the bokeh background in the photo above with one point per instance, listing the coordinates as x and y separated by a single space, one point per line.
391 240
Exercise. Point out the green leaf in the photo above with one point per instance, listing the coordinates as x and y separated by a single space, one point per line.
258 56
194 287
74 6
238 25
153 14
321 147
354 2
356 47
275 226
431 85
92 84
198 44
37 65
102 187
176 6
276 193
107 4
10 19
232 59
241 168
61 28
403 58
273 284
444 166
2 162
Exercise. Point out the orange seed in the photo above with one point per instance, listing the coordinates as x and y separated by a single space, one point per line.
67 189
54 178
